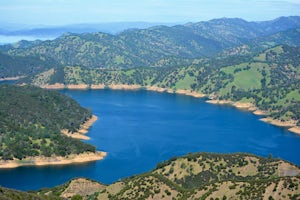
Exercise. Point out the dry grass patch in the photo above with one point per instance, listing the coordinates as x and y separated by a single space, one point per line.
82 187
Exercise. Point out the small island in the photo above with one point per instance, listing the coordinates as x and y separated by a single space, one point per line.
40 127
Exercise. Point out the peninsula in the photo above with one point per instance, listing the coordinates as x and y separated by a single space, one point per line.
33 122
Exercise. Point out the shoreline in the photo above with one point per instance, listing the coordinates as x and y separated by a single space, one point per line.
243 106
84 127
123 87
60 160
11 78
290 125
53 160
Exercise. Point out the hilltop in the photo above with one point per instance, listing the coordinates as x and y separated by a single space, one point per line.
194 176
159 46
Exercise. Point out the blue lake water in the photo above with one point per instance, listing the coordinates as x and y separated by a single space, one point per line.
138 129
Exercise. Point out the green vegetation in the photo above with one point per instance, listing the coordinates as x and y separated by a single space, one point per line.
269 80
9 194
193 176
31 120
226 59
198 176
159 46
271 84
13 66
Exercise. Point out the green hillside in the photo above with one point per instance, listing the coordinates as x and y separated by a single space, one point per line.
161 46
197 176
13 66
233 60
31 120
10 194
269 80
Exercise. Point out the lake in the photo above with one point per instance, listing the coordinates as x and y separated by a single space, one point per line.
138 129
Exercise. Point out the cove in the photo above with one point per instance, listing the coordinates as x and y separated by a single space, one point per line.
138 129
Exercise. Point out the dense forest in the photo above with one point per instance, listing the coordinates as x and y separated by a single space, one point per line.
31 120
23 65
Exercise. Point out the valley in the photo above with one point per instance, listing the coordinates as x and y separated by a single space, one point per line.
229 62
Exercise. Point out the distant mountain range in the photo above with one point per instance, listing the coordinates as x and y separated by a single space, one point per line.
226 59
8 29
233 61
161 45
56 31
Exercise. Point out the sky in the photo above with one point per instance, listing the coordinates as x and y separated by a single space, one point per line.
63 12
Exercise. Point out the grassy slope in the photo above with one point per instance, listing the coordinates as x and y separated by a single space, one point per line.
204 176
269 80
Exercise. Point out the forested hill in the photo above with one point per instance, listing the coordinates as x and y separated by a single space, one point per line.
14 66
226 59
157 46
193 176
269 80
31 120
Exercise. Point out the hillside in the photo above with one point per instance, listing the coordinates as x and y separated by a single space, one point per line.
10 194
31 120
267 82
196 176
159 46
270 81
14 66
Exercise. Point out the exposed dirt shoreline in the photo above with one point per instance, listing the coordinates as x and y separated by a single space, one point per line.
80 134
291 125
122 87
244 106
60 160
53 160
11 78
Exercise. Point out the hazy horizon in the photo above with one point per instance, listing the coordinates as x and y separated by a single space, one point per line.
64 12
11 33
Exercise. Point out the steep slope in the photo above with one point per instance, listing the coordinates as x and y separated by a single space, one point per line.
14 66
232 31
260 44
279 24
134 48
